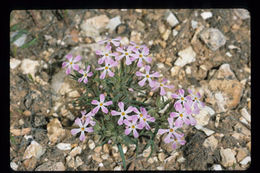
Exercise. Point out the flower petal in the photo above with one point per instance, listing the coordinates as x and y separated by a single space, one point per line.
114 113
103 74
80 79
173 114
181 92
64 64
85 80
120 121
135 133
142 82
162 131
178 122
78 122
121 106
162 92
102 97
82 136
89 129
129 109
75 67
110 73
104 109
175 96
94 102
108 103
74 131
68 70
69 56
178 106
95 110
77 58
128 131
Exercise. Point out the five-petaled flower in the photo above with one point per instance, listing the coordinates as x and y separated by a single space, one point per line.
147 76
88 117
162 85
82 128
141 56
135 47
171 131
71 63
180 97
101 104
125 53
196 98
175 141
182 114
132 126
144 118
106 69
123 113
114 41
106 55
85 74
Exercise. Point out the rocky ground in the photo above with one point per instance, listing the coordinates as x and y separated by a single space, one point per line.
208 50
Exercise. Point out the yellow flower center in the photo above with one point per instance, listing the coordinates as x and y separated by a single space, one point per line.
171 130
106 67
106 54
82 128
123 113
182 98
85 75
144 119
133 126
136 47
126 53
70 63
141 56
101 104
195 98
161 84
181 115
141 115
147 76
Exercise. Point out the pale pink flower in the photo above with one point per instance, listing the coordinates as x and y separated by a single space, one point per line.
195 98
147 76
106 56
82 129
135 47
181 114
171 131
175 141
106 69
101 104
180 96
71 63
162 85
143 117
85 74
141 56
125 53
123 113
88 117
132 126
114 41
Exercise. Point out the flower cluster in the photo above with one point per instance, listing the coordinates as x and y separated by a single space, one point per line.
130 117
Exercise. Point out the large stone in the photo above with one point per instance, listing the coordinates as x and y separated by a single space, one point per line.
64 146
77 150
211 142
224 90
14 63
186 56
29 66
242 13
171 19
213 38
203 117
30 164
34 150
93 26
55 131
228 157
113 23
241 154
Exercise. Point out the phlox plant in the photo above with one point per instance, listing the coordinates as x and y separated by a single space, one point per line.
117 105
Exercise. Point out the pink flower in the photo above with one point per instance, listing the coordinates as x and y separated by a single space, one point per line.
106 56
125 53
143 117
85 74
132 126
71 63
175 141
123 113
162 85
181 97
106 69
135 47
101 104
88 117
195 98
181 115
115 41
171 131
141 56
147 76
82 128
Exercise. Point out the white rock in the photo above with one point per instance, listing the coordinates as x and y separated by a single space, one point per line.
246 115
181 159
166 34
174 32
100 165
206 15
113 23
91 144
64 146
175 70
203 117
211 142
117 168
160 168
210 110
186 56
14 63
213 38
124 41
216 167
242 13
228 54
20 41
27 137
29 67
34 149
194 24
14 166
78 162
77 150
171 19
228 157
245 160
243 120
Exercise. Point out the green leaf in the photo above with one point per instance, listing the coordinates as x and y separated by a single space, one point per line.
121 154
30 77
